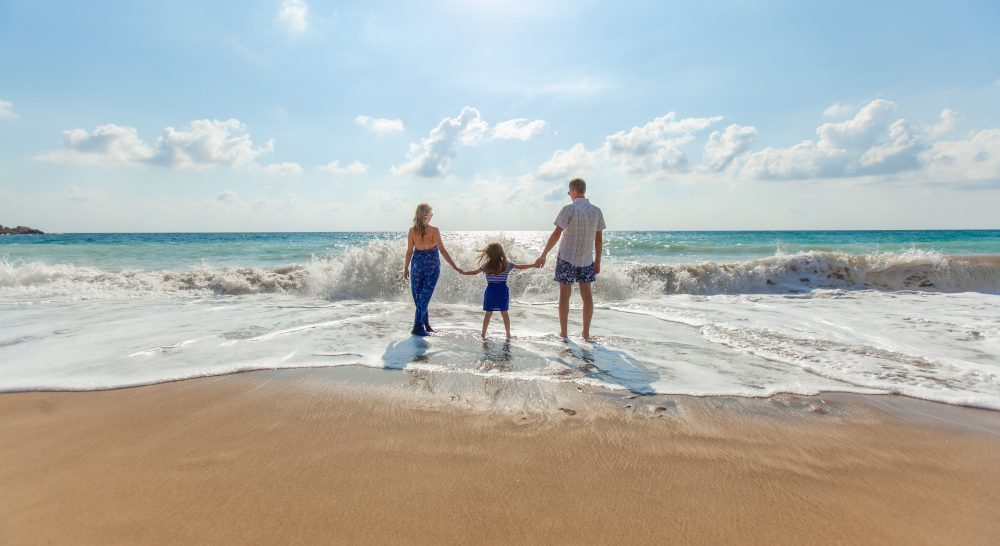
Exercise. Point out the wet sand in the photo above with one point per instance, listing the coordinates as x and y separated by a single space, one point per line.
305 457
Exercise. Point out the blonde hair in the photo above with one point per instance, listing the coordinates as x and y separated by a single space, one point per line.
493 259
419 224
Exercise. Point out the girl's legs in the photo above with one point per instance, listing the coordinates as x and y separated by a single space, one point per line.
506 322
486 322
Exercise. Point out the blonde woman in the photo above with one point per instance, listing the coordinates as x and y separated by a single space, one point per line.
423 243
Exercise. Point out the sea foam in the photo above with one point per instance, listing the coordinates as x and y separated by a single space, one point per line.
374 272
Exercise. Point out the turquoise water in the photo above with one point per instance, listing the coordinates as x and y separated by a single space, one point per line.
185 251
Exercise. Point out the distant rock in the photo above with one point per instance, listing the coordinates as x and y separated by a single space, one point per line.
20 230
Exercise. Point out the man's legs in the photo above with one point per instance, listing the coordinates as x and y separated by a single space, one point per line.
564 292
588 307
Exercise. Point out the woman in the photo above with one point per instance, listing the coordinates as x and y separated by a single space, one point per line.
422 246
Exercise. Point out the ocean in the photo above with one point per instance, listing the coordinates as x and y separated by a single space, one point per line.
754 313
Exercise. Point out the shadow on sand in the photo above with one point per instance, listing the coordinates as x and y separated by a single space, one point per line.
400 353
610 365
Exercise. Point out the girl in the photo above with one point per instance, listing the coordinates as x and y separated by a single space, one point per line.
422 245
494 263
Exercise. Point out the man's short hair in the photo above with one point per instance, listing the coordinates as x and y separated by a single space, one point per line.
578 185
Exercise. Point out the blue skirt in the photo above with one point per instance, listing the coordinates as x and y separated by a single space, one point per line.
496 297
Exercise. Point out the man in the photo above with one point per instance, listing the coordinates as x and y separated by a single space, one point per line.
580 225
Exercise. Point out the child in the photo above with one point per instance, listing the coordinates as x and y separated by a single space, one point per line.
494 263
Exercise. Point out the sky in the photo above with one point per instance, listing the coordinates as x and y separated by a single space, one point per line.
309 115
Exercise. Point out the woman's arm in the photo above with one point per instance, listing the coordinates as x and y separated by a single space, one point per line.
444 252
409 254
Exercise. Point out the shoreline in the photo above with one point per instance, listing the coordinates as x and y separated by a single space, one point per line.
328 454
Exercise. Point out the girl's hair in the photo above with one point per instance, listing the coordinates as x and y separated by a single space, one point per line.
419 224
493 259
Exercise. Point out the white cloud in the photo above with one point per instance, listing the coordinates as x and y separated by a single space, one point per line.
228 196
948 119
204 144
657 145
518 129
208 143
898 154
7 110
109 145
840 147
380 126
334 167
723 147
872 143
860 131
294 15
972 159
434 154
837 110
565 163
283 169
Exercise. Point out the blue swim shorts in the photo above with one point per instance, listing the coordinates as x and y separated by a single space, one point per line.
567 273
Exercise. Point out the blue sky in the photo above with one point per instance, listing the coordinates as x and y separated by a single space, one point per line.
309 115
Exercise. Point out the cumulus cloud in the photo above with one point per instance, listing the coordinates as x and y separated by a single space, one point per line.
109 144
873 143
857 146
227 196
898 154
294 15
946 124
723 147
334 167
7 110
380 126
965 160
283 169
434 154
837 110
657 145
208 143
564 163
204 144
518 129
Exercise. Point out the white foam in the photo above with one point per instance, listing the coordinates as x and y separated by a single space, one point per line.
937 346
374 273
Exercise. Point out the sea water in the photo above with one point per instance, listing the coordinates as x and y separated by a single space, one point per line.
701 313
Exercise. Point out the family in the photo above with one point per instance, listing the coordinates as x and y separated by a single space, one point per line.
579 225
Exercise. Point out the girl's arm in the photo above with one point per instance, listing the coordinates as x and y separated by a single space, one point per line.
444 252
409 254
525 266
470 272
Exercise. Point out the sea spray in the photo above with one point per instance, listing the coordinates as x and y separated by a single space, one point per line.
374 272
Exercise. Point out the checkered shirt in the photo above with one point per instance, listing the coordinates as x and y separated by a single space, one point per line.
580 222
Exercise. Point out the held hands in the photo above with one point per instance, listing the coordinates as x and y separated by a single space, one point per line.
540 262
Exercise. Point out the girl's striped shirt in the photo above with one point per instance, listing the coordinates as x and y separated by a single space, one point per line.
499 278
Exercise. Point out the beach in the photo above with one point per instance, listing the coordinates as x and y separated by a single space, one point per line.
363 455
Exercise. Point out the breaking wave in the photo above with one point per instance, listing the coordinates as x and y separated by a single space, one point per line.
374 272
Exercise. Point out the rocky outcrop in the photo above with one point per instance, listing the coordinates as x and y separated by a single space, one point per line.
20 230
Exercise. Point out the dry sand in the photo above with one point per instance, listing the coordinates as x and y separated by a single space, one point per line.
305 458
